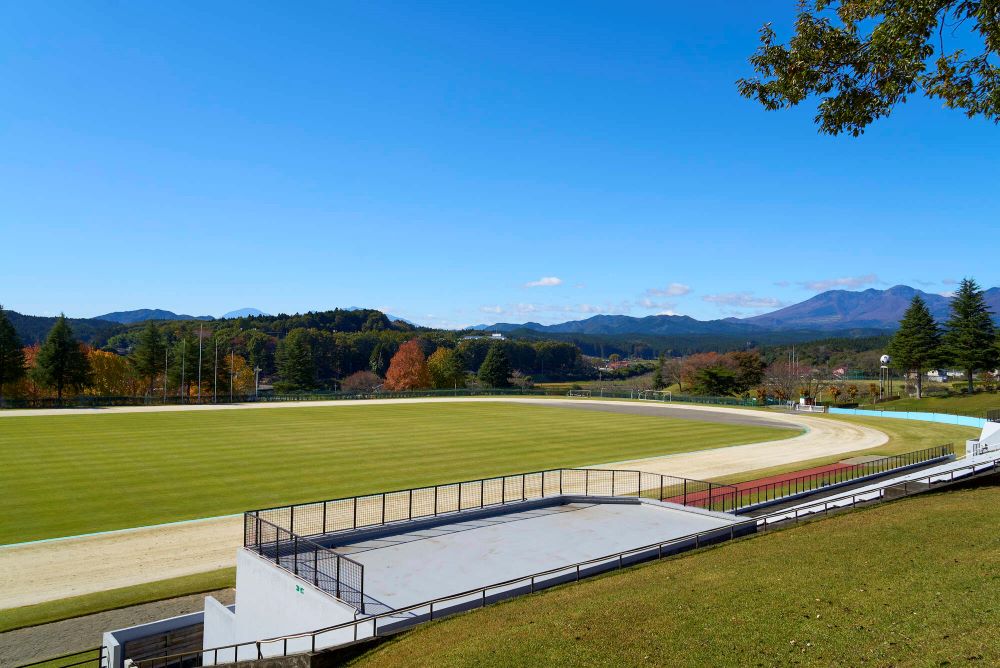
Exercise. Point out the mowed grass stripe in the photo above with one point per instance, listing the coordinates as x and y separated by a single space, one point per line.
67 475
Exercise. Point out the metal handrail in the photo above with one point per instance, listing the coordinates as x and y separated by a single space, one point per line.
474 481
782 515
314 548
762 521
748 497
531 578
545 484
100 659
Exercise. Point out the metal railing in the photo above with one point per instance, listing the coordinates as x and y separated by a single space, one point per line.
285 534
351 631
290 536
993 415
88 401
907 487
319 518
99 660
325 569
747 497
472 598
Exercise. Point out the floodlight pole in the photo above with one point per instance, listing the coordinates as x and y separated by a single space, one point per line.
166 370
232 364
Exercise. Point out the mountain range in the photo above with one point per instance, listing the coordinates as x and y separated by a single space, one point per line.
144 314
835 311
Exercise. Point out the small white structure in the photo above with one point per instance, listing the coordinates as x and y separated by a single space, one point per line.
987 446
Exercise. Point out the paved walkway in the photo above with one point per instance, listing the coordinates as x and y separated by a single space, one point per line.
72 635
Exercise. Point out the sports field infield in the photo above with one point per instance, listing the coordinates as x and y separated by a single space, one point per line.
69 475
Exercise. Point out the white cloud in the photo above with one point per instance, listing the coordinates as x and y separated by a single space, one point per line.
646 302
544 282
949 281
672 290
742 300
531 309
668 312
843 282
947 293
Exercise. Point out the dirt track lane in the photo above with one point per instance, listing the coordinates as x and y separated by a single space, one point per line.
51 570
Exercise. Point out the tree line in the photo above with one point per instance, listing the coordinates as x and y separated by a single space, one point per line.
968 340
350 350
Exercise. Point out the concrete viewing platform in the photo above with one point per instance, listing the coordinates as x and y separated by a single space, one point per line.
406 566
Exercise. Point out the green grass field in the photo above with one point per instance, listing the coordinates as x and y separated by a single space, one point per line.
974 404
75 606
91 657
912 583
67 475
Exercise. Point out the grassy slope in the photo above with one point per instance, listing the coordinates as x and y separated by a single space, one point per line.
112 599
90 655
66 475
975 405
902 584
904 436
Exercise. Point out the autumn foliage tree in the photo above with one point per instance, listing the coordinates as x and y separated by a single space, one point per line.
408 369
722 374
446 369
112 375
361 381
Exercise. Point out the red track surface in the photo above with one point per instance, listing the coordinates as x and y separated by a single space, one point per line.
701 498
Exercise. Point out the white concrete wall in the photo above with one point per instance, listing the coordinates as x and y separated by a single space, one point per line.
271 602
987 446
219 629
114 641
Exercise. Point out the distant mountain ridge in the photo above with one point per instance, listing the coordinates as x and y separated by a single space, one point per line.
144 314
243 313
831 311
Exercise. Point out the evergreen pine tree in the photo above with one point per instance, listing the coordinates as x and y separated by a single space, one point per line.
11 354
658 383
970 337
295 361
148 354
916 346
61 362
495 369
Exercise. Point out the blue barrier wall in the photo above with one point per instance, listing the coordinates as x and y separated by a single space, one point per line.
943 418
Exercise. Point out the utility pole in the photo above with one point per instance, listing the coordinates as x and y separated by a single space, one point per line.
199 362
166 369
232 364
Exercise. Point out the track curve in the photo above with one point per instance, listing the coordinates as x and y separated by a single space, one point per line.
55 569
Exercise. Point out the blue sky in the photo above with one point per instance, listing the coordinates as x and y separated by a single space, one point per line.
455 163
